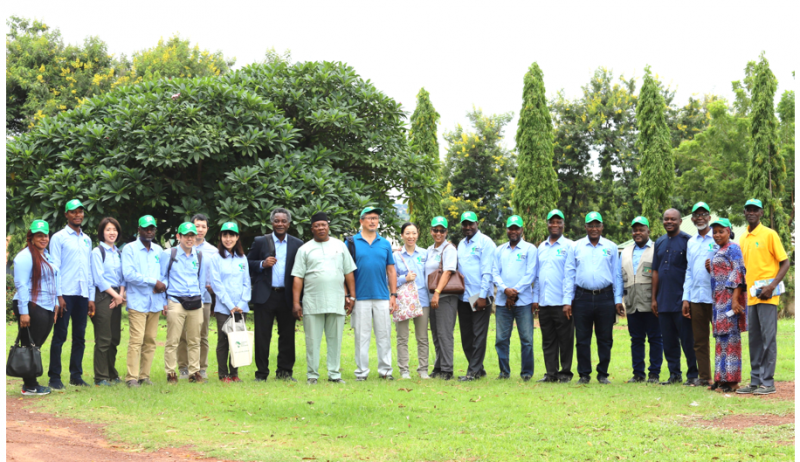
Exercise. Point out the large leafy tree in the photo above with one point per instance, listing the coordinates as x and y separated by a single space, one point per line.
656 165
478 171
536 189
424 204
310 137
177 57
787 149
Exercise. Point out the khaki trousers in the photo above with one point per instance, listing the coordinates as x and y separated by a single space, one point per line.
701 330
179 319
421 333
143 329
183 358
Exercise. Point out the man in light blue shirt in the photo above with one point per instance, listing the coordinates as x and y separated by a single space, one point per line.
141 268
475 261
70 251
697 289
593 285
558 331
513 272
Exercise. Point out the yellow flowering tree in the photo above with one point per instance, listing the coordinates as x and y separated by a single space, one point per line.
176 57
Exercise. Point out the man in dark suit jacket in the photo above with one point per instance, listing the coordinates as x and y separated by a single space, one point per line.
271 260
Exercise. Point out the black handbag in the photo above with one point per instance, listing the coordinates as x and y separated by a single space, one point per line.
24 361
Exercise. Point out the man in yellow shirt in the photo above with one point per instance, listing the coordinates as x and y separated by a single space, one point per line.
764 259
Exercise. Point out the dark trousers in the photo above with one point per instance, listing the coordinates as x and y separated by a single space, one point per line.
78 311
264 316
677 333
224 366
593 311
644 325
107 333
558 333
41 324
474 326
701 331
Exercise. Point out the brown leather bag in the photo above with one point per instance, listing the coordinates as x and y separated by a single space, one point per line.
454 286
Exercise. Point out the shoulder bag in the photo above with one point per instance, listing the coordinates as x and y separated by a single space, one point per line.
24 361
408 304
455 285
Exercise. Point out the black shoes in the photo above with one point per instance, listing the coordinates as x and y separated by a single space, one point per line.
502 376
604 380
339 381
445 375
466 378
636 379
672 381
584 380
526 378
79 382
547 379
653 379
692 382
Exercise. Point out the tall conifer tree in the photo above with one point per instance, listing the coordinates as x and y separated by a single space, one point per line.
656 166
424 205
536 189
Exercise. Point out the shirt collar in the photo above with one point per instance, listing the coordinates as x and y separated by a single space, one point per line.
520 244
559 241
359 236
72 231
599 241
109 247
647 244
756 231
698 236
405 251
278 241
477 236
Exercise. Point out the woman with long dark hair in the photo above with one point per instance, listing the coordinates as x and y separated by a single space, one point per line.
38 286
410 261
233 295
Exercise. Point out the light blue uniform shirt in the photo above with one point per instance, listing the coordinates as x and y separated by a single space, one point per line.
234 276
49 286
515 268
209 251
141 269
548 290
697 285
416 264
107 274
187 276
637 254
70 252
447 255
475 262
593 268
279 268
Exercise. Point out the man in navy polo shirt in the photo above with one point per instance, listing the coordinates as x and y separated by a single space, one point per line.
374 302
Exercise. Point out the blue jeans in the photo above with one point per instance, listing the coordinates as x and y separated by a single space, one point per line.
505 323
677 334
643 325
593 311
78 310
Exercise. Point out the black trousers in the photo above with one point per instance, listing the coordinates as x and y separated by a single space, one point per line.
224 366
676 332
41 325
558 333
474 326
593 313
264 316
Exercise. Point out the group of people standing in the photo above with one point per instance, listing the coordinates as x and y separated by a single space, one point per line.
673 291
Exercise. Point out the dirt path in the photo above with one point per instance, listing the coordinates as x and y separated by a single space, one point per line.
39 437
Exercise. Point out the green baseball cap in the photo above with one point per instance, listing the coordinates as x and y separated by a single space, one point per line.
186 228
366 210
439 221
514 220
755 202
555 213
230 226
640 221
72 205
722 222
40 226
146 221
469 216
701 205
594 216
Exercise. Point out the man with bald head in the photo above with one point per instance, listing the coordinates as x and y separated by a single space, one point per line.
669 273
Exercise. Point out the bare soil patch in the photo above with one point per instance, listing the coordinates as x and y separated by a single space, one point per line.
39 437
783 391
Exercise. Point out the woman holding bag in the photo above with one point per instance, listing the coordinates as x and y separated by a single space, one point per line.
444 307
410 263
233 295
38 286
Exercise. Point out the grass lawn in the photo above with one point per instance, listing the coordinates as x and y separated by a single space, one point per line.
431 419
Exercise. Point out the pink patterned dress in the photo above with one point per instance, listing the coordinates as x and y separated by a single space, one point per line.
727 273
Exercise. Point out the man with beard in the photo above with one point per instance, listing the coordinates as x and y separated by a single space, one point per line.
669 274
697 289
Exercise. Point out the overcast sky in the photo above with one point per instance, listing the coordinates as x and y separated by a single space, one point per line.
463 53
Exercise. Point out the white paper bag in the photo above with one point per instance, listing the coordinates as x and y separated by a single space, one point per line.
240 344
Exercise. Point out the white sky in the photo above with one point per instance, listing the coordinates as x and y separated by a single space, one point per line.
463 53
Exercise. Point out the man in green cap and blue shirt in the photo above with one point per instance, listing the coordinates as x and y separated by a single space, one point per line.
141 268
592 292
513 274
475 262
374 275
70 251
636 263
697 289
558 331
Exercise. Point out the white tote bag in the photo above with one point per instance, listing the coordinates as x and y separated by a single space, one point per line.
240 345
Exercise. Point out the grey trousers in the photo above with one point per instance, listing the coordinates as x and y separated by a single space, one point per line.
366 315
421 333
332 325
443 323
762 320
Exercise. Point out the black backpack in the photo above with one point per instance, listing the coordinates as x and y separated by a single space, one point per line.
174 253
103 252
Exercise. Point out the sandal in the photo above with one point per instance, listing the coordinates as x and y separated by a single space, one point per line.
714 386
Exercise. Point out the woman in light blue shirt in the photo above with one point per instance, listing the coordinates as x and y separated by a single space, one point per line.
232 296
38 284
444 307
109 296
410 263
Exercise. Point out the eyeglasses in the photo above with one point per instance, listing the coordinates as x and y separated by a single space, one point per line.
700 215
371 218
439 231
594 225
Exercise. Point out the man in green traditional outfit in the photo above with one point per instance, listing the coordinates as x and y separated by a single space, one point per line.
322 267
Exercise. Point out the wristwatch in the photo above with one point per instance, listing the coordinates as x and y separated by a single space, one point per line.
393 295
352 299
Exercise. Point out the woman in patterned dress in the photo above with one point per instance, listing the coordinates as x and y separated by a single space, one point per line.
729 315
